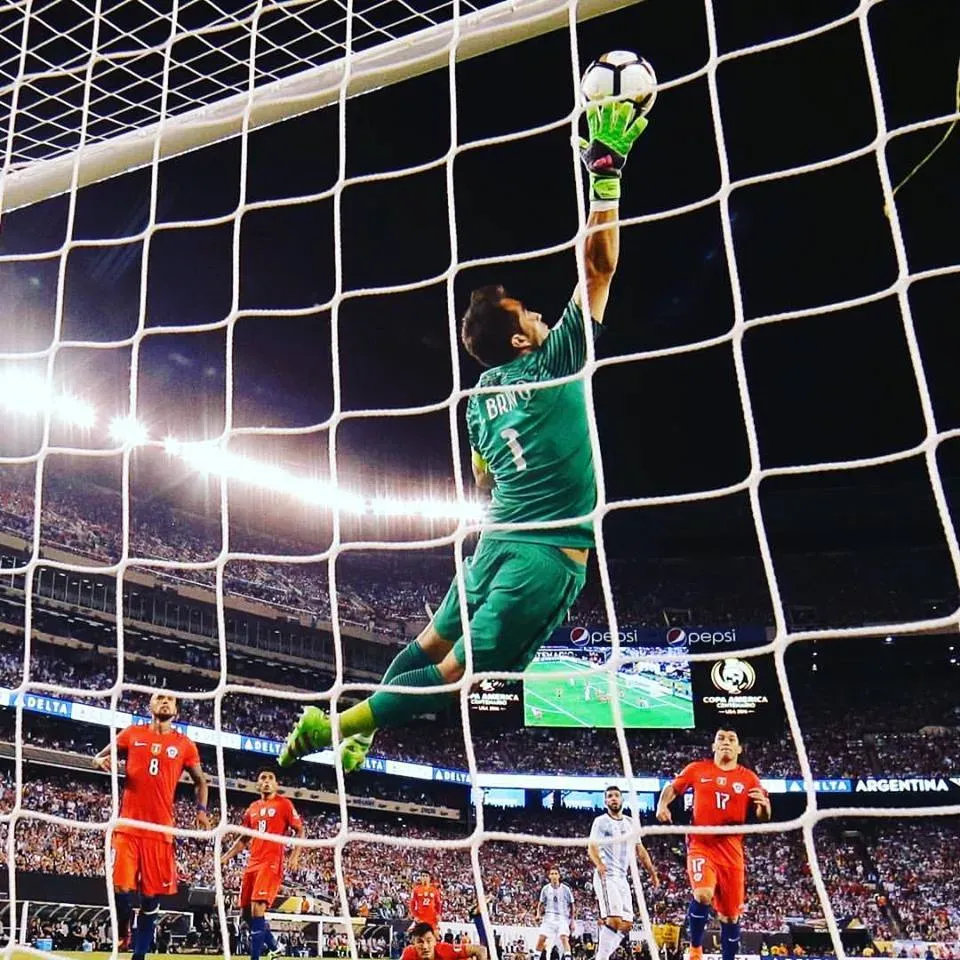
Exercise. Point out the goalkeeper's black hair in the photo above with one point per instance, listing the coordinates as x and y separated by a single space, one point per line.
488 327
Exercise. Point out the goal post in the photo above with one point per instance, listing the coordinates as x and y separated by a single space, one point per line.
470 35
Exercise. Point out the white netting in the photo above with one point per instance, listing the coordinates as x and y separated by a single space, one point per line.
78 74
163 59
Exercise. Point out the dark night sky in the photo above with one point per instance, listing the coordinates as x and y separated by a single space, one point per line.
831 386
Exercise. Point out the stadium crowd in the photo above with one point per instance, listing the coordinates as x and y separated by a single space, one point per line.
386 593
919 860
891 738
913 867
915 732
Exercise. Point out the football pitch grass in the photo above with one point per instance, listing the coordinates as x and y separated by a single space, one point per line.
561 701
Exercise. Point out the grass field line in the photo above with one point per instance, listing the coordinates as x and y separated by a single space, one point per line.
556 708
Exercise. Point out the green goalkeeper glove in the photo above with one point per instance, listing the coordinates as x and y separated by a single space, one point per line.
613 128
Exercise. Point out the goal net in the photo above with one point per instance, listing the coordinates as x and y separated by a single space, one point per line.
223 276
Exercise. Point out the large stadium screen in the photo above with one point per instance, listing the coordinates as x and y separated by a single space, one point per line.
654 688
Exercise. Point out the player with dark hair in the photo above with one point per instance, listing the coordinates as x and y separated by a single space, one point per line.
554 914
271 816
144 860
723 793
610 854
530 448
425 945
425 902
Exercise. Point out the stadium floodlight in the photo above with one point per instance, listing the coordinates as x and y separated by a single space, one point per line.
30 394
429 509
210 459
128 430
73 411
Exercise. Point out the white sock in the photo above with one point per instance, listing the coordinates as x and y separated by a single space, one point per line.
609 941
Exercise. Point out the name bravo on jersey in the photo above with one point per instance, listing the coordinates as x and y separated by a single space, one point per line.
498 403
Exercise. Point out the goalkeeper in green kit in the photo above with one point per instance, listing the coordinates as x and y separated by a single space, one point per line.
531 449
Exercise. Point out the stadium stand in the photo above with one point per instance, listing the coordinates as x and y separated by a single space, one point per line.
900 879
171 643
390 593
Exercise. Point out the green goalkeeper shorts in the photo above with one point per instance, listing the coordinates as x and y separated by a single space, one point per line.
518 593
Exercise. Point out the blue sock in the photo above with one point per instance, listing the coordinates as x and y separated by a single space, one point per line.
729 940
268 937
697 916
143 938
481 929
258 930
124 909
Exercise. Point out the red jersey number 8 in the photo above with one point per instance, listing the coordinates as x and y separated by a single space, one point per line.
154 767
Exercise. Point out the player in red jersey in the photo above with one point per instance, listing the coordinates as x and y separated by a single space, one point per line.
723 793
143 860
426 902
276 816
424 945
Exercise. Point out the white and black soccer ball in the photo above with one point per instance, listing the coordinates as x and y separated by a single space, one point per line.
623 75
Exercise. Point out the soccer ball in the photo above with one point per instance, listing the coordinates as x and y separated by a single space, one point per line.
621 74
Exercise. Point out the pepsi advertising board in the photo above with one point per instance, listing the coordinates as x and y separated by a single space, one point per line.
693 639
655 685
566 685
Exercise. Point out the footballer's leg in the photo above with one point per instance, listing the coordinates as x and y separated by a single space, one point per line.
703 883
158 878
266 883
729 903
418 665
429 647
517 594
125 862
540 949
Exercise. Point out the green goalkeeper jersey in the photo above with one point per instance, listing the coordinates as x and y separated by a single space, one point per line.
536 443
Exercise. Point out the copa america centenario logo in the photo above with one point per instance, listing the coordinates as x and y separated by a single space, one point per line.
733 676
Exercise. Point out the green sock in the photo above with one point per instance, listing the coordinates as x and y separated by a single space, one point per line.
358 720
411 657
391 709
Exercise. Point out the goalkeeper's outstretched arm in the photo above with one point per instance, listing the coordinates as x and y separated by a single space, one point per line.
600 255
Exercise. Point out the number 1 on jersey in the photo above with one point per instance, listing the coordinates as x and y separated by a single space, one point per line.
516 451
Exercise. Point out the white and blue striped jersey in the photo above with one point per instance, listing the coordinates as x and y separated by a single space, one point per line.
614 853
556 901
